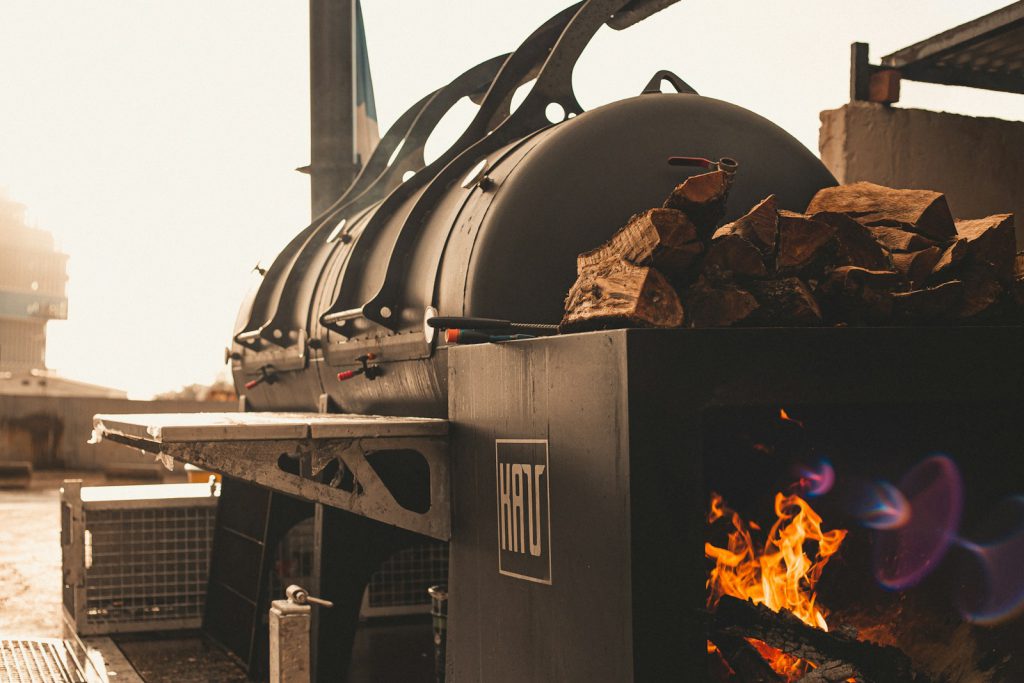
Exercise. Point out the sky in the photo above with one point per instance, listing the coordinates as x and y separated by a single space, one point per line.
157 141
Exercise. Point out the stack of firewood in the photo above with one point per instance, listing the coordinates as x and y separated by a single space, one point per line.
860 254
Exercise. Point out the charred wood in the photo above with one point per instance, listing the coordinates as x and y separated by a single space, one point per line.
785 632
745 660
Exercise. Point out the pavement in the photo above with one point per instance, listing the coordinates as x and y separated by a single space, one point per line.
30 570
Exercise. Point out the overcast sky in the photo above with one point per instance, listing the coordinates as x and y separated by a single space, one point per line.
157 141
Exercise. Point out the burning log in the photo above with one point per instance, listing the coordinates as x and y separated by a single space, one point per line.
785 632
745 660
663 238
702 198
830 672
922 211
619 294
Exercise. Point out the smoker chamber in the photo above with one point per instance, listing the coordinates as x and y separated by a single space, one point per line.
358 415
490 228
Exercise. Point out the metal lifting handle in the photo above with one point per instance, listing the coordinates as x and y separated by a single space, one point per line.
553 85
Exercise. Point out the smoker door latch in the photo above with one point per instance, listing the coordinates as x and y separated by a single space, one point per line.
300 596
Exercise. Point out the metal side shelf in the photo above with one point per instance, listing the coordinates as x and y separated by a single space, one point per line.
338 460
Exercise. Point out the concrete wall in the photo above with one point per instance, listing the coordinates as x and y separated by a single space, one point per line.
977 162
52 431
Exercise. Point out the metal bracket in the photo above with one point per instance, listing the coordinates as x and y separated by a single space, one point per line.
292 453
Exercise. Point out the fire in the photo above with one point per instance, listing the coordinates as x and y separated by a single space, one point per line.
779 574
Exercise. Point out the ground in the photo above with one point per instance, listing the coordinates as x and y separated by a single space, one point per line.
30 561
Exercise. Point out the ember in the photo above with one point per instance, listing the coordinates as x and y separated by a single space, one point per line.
779 574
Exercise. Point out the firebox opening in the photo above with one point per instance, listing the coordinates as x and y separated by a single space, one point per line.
931 497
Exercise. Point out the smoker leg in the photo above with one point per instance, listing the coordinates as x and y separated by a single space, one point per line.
347 550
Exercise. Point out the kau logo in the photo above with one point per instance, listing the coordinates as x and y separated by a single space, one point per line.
524 522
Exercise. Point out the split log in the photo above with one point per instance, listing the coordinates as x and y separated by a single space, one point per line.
923 211
803 241
895 239
954 254
745 660
721 306
857 245
982 293
784 302
619 294
732 256
917 266
858 296
702 198
1017 288
760 225
932 304
787 633
663 238
991 240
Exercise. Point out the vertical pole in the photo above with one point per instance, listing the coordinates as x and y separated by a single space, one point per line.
332 100
289 642
860 72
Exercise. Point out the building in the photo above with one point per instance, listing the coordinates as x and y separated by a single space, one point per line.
33 275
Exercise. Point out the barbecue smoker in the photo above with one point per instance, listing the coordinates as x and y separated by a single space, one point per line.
568 473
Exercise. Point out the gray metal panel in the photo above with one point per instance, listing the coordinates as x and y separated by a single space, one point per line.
188 427
987 52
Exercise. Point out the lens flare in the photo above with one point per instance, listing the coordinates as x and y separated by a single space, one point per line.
907 554
992 583
883 506
816 480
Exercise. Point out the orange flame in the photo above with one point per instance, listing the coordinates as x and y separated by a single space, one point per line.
778 574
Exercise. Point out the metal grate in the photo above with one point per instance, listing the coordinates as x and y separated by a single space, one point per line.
147 564
401 582
38 661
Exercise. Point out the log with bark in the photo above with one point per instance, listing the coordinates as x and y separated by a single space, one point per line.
860 254
922 211
616 293
663 238
702 198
